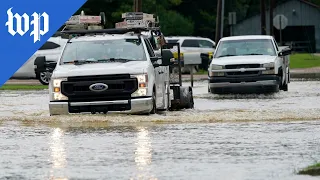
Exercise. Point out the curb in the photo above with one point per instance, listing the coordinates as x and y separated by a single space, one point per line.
305 75
292 75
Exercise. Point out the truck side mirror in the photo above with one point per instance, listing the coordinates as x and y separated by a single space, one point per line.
167 55
285 52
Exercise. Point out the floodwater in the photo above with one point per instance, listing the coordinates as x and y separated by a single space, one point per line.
224 137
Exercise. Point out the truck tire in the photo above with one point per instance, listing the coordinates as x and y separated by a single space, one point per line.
190 104
281 76
154 103
44 77
168 98
285 87
186 98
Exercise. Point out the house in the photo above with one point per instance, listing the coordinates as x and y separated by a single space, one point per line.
302 31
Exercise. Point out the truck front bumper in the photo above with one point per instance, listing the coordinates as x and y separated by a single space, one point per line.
243 82
138 105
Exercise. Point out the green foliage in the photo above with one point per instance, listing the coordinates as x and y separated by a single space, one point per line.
194 17
174 24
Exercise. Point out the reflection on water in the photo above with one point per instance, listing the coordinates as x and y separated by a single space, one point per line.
58 154
143 154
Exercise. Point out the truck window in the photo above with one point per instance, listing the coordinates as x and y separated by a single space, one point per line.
49 45
130 49
205 44
245 47
190 43
149 48
172 40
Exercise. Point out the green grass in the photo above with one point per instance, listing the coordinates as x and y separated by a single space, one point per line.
22 87
304 61
313 170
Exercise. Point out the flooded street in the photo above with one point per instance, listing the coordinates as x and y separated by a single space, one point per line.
248 150
228 137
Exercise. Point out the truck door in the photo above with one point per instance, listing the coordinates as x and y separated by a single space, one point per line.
159 78
285 62
190 45
206 46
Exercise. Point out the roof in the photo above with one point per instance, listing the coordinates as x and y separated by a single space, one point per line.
185 37
279 3
310 3
246 37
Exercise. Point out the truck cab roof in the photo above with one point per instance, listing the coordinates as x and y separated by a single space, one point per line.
102 37
246 37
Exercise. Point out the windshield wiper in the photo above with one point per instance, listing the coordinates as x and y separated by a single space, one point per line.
226 55
252 54
80 61
114 60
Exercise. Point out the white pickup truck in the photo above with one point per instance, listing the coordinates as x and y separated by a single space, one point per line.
252 62
106 72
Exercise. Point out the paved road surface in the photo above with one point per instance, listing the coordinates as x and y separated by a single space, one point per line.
225 137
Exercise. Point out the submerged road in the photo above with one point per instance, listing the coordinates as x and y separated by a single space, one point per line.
224 137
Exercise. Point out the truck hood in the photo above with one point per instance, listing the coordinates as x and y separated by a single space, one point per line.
253 59
131 67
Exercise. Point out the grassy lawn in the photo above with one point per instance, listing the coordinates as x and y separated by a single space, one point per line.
313 170
304 61
22 87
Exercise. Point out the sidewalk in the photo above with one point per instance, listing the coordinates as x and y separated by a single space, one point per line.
308 73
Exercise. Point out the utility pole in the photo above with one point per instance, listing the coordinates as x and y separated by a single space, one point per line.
218 21
137 5
271 17
222 18
263 17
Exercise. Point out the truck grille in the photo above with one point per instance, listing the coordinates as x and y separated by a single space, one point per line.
246 73
120 87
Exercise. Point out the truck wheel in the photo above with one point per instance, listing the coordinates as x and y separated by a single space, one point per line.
44 77
154 103
190 99
285 87
168 98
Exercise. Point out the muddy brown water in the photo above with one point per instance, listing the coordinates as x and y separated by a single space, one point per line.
224 137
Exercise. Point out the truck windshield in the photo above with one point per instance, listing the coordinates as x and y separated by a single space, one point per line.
245 47
103 51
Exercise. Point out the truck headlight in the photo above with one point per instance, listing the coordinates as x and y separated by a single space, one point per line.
269 68
56 90
268 65
216 67
142 85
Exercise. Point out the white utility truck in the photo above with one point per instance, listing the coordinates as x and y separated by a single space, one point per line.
254 62
115 70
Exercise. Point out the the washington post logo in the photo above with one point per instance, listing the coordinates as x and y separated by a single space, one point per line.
23 24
